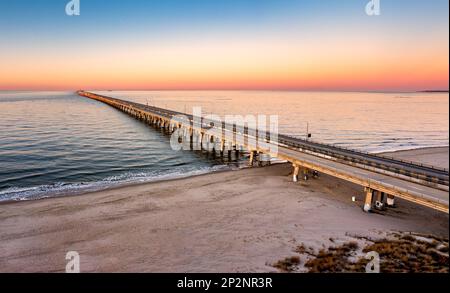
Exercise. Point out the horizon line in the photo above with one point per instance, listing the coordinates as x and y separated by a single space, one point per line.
233 89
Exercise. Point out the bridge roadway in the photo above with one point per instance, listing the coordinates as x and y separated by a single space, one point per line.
383 178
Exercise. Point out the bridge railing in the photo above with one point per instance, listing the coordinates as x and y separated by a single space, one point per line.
367 154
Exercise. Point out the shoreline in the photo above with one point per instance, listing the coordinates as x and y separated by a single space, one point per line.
120 186
440 147
433 150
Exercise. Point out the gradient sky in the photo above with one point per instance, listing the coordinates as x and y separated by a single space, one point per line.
224 44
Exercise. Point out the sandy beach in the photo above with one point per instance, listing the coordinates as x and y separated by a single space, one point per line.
438 157
237 221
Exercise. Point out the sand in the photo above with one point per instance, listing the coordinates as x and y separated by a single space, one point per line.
438 157
237 221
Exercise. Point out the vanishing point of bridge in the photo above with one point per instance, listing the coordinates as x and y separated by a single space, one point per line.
383 178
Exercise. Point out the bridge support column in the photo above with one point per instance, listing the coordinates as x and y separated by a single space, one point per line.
230 150
206 140
379 200
191 138
222 147
390 201
305 173
296 172
202 141
258 159
252 158
194 138
369 199
187 139
214 142
208 143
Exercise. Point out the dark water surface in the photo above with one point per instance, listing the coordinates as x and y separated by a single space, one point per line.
59 143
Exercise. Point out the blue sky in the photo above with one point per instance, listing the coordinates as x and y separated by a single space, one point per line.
48 17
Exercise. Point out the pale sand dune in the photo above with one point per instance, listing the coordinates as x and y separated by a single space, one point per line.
239 221
438 157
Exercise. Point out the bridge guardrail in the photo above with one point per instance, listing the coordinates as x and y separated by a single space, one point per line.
382 156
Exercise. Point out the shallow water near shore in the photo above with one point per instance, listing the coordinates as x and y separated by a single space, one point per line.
57 143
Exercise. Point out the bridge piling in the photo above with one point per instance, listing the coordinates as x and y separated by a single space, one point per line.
390 201
252 158
305 172
379 200
222 147
369 199
295 173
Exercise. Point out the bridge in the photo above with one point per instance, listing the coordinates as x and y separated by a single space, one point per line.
382 178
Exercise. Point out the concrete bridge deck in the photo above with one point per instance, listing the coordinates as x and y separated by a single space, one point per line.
383 178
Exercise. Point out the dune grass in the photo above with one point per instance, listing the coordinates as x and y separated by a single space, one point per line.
399 253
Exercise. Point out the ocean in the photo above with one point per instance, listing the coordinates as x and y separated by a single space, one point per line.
57 143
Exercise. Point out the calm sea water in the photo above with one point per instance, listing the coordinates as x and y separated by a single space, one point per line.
56 143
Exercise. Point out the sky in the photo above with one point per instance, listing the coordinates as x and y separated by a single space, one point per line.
224 44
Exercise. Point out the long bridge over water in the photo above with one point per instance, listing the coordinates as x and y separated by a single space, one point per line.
382 178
